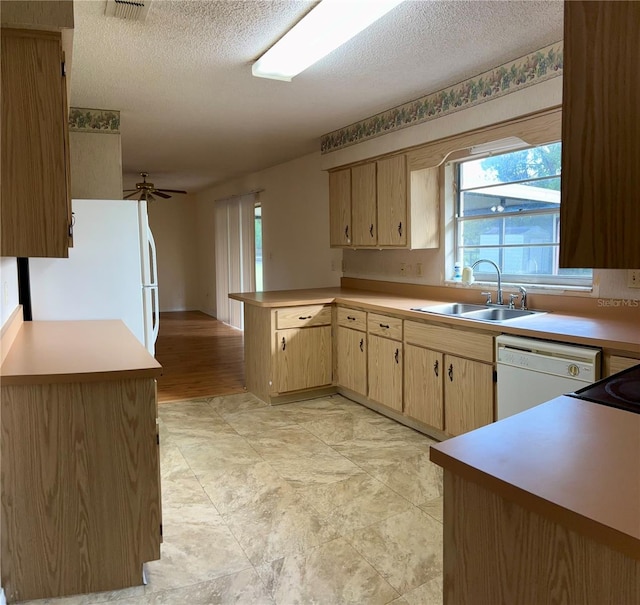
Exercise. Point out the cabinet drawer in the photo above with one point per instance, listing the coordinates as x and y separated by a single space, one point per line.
352 318
471 345
384 325
303 317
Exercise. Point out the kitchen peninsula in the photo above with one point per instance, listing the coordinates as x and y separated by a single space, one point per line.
80 468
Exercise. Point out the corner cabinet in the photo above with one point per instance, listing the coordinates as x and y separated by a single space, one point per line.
289 351
381 204
35 204
600 213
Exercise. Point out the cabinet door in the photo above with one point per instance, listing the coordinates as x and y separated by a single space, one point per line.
600 213
303 358
423 372
392 201
35 205
363 205
468 394
352 360
385 371
340 207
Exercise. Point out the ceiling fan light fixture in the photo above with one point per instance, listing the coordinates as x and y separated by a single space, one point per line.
326 27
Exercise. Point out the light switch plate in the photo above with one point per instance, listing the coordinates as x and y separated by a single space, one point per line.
633 278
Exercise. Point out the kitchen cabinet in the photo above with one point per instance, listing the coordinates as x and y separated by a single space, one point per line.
449 377
612 364
385 360
600 214
81 505
289 351
340 208
351 350
35 208
381 204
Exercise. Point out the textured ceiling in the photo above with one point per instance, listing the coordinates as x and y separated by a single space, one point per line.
192 115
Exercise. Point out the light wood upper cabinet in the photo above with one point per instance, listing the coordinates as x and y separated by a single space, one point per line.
392 201
364 210
35 206
600 213
340 207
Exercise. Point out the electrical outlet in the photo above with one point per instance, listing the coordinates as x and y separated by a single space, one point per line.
419 269
633 278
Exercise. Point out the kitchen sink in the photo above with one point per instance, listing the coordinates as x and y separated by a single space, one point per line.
451 309
478 312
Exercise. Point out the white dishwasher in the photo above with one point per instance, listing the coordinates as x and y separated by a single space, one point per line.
531 372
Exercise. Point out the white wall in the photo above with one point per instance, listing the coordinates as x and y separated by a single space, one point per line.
96 165
8 287
295 228
173 223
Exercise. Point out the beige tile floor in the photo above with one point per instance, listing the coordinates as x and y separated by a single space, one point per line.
322 502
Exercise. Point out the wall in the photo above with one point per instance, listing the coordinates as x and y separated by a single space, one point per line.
96 165
295 228
8 288
173 224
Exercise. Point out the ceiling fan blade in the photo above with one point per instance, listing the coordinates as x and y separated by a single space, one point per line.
126 197
128 190
160 194
172 190
149 198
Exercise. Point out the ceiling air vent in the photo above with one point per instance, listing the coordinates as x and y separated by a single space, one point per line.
131 10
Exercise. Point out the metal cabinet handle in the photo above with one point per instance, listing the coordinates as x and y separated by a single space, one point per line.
307 317
451 372
400 228
397 355
371 230
436 368
346 231
351 318
284 343
384 326
362 345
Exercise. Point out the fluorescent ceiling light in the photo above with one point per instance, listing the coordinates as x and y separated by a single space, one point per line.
499 145
329 25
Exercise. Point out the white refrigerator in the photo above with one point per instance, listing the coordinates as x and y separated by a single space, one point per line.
111 272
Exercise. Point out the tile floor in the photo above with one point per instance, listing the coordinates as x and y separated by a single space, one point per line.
322 501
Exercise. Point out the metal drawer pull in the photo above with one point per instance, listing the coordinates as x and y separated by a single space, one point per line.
307 317
451 372
400 228
350 318
346 231
371 230
284 343
384 326
397 355
362 345
435 367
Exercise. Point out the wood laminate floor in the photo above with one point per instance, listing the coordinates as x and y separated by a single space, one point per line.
200 357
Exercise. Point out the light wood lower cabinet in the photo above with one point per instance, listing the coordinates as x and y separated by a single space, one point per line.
468 394
80 486
303 358
385 371
351 350
423 391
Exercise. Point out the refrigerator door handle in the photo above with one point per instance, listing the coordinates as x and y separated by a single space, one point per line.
153 263
156 313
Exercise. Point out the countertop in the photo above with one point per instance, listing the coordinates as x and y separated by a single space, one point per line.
76 351
573 461
613 333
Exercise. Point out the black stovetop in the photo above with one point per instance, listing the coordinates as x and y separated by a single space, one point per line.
621 390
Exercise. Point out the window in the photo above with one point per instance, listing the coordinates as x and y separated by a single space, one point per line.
508 211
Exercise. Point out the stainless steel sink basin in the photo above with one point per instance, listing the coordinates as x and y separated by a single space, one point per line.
478 312
494 314
451 309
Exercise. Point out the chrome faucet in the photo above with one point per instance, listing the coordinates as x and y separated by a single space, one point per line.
523 297
486 260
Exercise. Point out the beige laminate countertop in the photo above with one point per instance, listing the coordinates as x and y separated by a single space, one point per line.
573 461
586 330
76 351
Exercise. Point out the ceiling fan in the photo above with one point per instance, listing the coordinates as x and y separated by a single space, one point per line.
148 192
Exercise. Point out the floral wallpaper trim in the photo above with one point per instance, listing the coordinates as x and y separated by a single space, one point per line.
94 120
533 68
